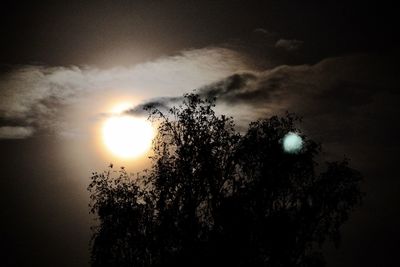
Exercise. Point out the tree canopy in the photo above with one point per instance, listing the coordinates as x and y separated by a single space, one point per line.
216 196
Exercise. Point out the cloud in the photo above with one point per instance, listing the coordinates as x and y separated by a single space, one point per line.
347 80
289 45
261 31
15 132
36 96
343 99
221 90
332 85
162 104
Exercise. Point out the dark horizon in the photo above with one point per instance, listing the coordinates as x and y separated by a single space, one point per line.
65 65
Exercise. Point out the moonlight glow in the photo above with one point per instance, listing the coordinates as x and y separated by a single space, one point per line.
127 137
292 143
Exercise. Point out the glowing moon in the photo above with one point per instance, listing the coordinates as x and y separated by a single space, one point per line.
292 143
127 137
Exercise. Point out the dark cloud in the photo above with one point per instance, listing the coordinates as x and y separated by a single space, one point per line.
289 45
225 90
163 104
332 85
229 88
261 31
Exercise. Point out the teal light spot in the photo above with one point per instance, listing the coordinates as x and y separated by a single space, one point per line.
292 143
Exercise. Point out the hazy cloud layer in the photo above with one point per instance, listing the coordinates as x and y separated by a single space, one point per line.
15 132
33 95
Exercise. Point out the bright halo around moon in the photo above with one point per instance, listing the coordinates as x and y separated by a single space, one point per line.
127 136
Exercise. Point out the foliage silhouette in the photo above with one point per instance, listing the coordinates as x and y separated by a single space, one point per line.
214 196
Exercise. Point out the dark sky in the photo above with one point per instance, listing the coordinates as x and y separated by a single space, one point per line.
335 63
78 32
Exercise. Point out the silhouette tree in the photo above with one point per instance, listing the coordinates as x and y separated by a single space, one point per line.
214 196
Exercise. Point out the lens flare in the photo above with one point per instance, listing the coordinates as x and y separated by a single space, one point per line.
292 143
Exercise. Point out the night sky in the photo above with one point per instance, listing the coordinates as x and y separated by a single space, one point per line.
64 65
